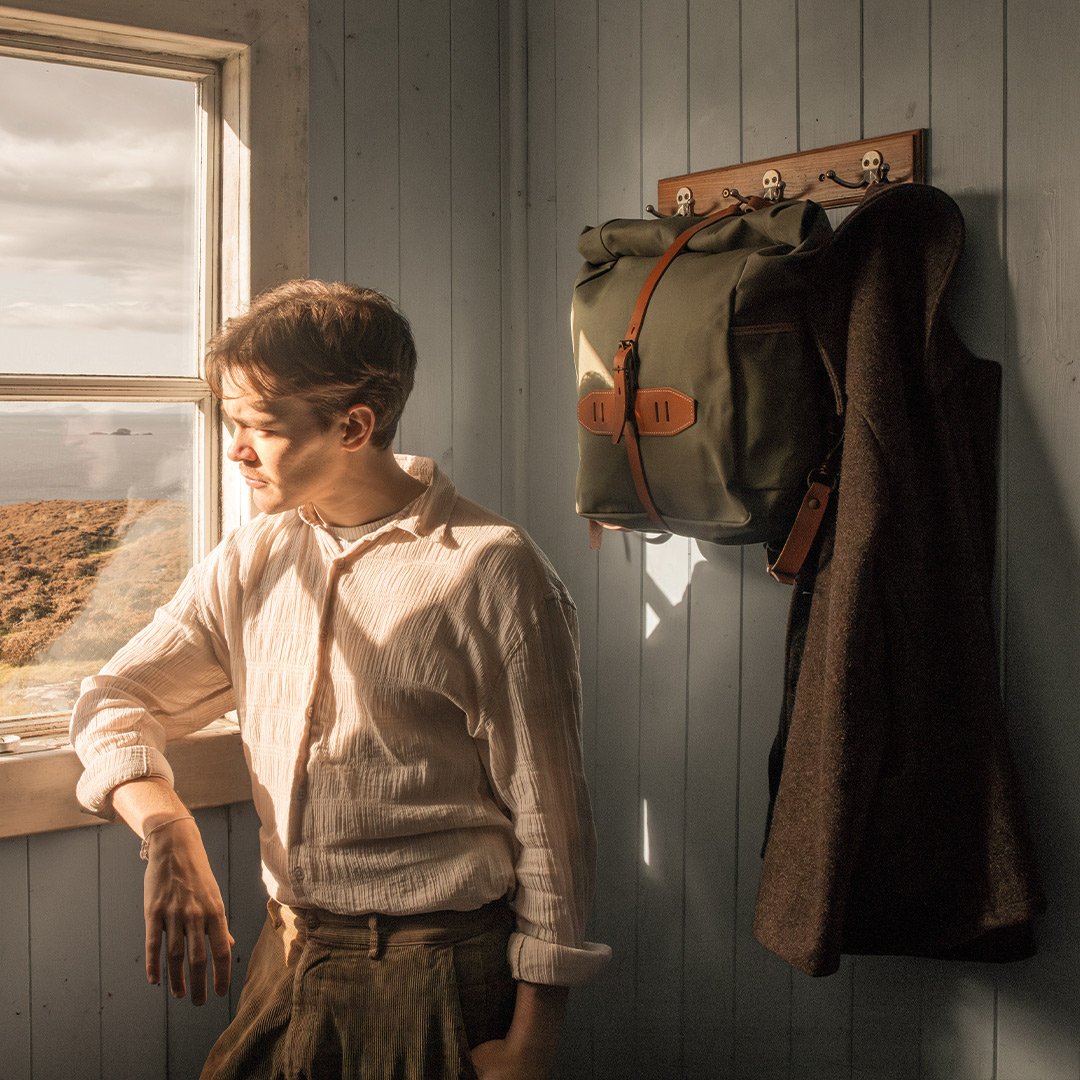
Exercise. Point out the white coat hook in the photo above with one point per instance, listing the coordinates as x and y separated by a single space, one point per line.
684 202
772 186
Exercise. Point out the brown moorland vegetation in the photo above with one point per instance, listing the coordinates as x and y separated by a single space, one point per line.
79 577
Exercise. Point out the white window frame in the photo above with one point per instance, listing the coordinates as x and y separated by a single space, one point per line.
207 524
254 65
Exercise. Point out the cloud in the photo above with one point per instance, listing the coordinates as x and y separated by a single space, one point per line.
115 315
97 197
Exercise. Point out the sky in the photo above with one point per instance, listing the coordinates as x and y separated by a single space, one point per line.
97 220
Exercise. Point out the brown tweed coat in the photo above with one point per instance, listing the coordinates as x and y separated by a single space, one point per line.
897 826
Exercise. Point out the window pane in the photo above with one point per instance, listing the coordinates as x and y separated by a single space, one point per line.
95 533
98 187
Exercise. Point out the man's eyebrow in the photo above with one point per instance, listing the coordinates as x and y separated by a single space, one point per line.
252 412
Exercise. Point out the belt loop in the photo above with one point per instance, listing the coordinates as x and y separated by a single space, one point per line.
373 941
273 909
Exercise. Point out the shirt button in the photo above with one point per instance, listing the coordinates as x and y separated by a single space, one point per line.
301 791
310 711
298 873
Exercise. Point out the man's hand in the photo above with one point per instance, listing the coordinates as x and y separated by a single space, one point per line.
499 1060
181 900
529 1047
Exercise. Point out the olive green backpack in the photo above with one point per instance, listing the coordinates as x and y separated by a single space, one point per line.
704 407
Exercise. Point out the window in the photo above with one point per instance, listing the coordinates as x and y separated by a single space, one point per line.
79 368
108 242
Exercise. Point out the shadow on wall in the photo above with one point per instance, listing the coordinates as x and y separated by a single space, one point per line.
1041 581
1038 594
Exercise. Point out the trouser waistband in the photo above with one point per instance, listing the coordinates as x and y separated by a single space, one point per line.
378 930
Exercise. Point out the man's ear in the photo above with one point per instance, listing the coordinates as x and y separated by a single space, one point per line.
359 427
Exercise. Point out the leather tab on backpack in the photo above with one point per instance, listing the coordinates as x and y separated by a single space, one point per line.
661 411
789 562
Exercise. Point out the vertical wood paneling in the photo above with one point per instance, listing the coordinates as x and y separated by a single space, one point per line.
715 82
476 324
15 959
128 1003
247 893
1038 1007
712 812
192 1030
425 222
710 876
896 60
614 754
662 753
967 129
65 977
957 1037
542 227
514 201
370 146
763 983
326 146
830 72
554 398
887 1025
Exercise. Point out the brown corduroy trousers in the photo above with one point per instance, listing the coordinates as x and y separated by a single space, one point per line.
369 997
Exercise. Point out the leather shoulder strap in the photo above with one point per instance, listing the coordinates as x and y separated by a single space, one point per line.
624 367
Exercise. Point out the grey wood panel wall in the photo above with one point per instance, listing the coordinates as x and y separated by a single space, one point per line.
75 1002
688 638
422 114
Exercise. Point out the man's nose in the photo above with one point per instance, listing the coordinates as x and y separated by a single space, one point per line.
238 449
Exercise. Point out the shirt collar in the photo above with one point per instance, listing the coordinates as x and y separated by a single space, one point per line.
426 516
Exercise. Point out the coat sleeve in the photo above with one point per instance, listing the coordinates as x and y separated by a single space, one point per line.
167 682
532 722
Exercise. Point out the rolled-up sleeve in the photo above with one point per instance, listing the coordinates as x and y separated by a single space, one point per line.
167 682
532 721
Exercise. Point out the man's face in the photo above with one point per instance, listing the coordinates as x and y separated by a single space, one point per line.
286 457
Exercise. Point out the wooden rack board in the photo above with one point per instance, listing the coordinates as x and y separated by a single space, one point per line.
905 153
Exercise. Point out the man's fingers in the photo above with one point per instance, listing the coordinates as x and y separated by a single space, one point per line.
196 945
221 943
174 954
153 949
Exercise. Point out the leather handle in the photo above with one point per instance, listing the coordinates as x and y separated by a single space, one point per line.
789 562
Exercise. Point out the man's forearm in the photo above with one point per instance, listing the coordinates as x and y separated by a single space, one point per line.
538 1013
147 803
181 899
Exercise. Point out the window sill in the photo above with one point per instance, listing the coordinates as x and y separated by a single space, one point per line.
37 784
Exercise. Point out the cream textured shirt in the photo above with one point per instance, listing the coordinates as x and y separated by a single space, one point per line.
409 703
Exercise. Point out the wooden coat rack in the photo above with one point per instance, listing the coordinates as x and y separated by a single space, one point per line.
831 175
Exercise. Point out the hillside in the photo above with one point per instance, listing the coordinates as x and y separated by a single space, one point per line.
77 579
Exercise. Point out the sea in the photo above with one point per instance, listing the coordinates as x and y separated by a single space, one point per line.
83 452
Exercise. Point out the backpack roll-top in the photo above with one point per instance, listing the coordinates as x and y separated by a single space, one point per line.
718 391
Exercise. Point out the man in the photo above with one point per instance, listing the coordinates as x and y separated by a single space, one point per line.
404 666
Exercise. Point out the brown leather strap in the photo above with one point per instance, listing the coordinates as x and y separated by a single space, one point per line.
789 562
624 366
637 471
660 411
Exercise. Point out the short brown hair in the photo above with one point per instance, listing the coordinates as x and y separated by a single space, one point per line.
333 344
